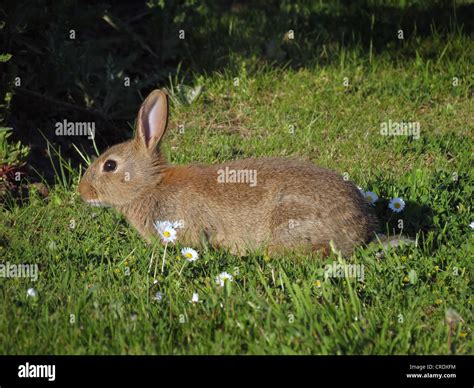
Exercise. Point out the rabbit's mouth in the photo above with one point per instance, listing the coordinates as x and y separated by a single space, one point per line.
89 194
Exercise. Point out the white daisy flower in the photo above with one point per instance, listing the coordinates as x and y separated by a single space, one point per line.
471 225
223 277
189 254
371 197
31 292
195 298
158 296
396 205
166 231
168 235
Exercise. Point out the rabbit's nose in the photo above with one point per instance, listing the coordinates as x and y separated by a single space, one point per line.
86 191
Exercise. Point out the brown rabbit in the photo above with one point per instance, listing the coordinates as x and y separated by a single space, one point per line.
267 203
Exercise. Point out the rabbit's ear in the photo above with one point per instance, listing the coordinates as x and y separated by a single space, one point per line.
152 120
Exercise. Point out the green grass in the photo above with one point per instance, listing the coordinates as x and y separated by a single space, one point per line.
95 295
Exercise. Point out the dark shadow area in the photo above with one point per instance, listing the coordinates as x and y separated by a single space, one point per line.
415 218
421 219
94 62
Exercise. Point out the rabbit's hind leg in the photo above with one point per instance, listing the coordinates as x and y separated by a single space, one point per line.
298 237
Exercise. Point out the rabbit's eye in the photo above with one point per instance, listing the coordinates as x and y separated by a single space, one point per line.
110 165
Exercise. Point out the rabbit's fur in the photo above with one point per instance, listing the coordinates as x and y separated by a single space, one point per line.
294 205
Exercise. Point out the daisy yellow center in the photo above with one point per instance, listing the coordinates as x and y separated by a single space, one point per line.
166 233
397 205
189 255
369 198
